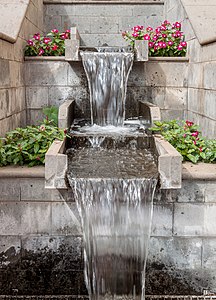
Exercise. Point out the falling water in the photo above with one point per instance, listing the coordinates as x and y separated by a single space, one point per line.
107 75
113 187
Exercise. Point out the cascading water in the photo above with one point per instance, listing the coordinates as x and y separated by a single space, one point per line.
113 178
107 74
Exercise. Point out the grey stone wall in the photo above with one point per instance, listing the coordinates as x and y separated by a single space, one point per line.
163 83
202 67
102 23
41 239
12 85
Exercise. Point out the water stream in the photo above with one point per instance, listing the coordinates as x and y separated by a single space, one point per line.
114 184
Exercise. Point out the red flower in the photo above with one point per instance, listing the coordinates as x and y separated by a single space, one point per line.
37 36
41 52
30 42
195 133
47 40
54 30
189 123
55 47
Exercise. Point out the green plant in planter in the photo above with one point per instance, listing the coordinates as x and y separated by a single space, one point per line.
165 40
29 145
53 44
188 141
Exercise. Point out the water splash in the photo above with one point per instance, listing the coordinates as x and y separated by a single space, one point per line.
107 75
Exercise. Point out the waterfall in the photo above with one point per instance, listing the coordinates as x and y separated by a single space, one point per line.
113 179
107 74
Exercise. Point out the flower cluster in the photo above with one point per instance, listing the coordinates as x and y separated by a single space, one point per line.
188 140
165 40
53 44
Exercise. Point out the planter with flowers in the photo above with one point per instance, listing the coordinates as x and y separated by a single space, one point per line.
167 40
53 44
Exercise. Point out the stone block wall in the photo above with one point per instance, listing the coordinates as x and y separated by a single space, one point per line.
41 250
12 85
202 67
163 83
101 23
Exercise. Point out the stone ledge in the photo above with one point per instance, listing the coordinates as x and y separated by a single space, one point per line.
45 58
200 171
22 172
169 59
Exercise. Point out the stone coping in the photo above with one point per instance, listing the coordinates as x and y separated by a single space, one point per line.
190 171
160 2
12 12
202 17
62 58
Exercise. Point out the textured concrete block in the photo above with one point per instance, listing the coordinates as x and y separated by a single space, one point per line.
66 113
36 97
93 40
72 50
209 104
191 191
4 102
170 114
195 75
126 23
210 195
104 25
10 219
5 73
209 76
162 220
194 220
76 75
209 254
166 74
136 75
10 250
103 10
52 22
16 74
59 9
35 218
147 10
9 189
46 73
141 50
196 100
175 98
65 219
83 24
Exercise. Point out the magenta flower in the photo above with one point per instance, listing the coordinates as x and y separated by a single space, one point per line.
183 44
164 45
194 143
184 135
135 34
47 40
30 42
170 43
54 30
166 22
164 35
179 47
146 37
195 133
55 47
67 31
155 38
189 123
149 28
160 44
37 36
63 36
177 25
151 44
137 28
41 52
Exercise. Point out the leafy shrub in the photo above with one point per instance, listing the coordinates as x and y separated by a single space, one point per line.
29 145
53 44
165 40
188 140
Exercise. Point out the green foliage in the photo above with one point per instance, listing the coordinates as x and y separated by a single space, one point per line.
51 115
28 145
187 139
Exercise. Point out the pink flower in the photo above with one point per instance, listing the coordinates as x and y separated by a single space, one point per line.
42 128
160 44
194 143
137 28
149 28
164 35
38 158
184 135
155 37
164 45
41 52
30 42
177 25
67 31
183 44
151 44
46 40
189 123
179 47
54 30
63 36
166 22
163 27
146 37
37 36
170 43
158 29
195 133
135 34
124 33
55 47
201 149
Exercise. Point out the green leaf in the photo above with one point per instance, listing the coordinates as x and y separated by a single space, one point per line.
36 147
